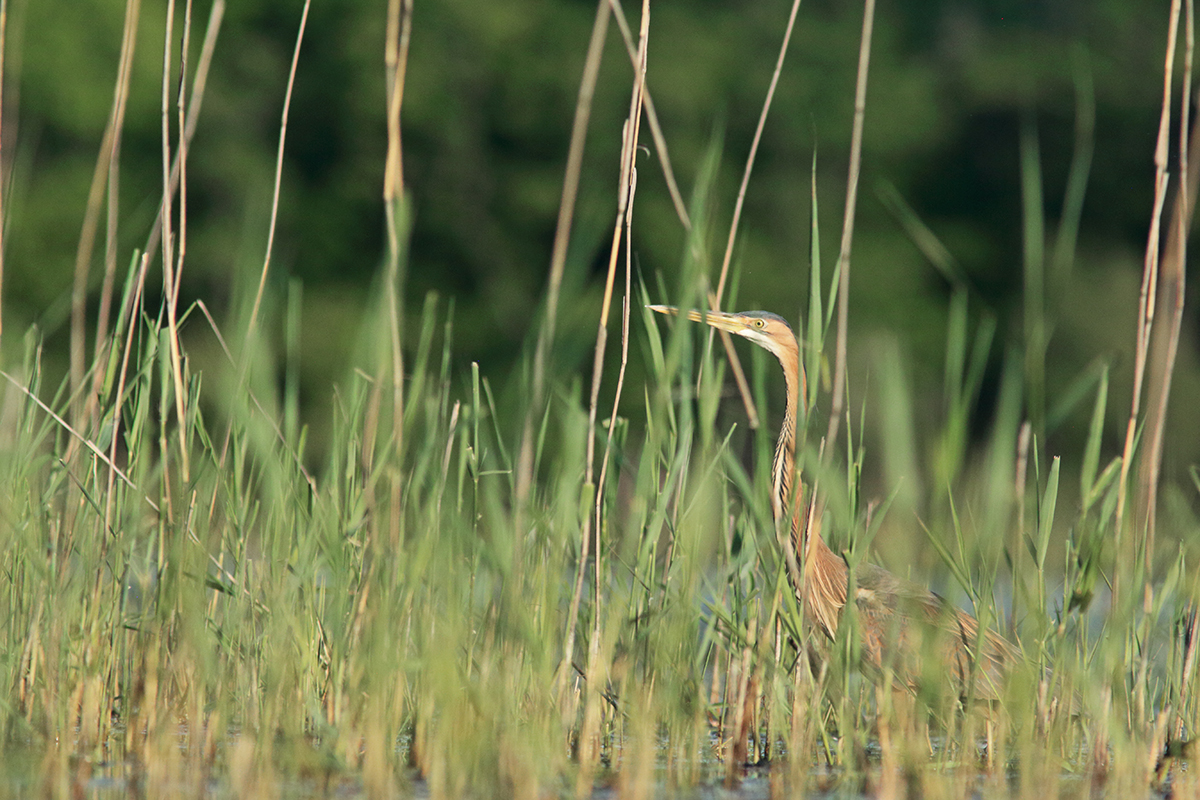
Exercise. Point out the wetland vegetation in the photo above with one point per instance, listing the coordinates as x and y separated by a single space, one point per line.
437 579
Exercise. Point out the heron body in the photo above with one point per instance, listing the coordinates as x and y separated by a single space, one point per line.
900 624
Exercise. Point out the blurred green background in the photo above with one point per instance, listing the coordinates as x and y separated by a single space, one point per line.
488 107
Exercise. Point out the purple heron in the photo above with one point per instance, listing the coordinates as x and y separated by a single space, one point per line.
900 623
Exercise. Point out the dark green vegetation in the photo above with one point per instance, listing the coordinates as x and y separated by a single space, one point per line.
262 520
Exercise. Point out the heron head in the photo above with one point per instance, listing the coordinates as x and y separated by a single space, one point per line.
767 330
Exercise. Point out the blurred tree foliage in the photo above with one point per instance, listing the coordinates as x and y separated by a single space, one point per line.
488 107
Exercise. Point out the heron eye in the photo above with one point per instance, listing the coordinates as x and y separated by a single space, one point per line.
758 323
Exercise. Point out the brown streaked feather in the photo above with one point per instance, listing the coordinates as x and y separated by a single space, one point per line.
901 623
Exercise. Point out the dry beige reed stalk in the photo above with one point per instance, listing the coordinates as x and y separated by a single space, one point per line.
104 177
1147 301
1164 344
3 178
562 234
838 400
558 254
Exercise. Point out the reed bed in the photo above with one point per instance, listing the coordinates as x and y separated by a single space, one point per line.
475 600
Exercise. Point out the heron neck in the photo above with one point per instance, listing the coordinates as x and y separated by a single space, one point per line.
785 486
820 575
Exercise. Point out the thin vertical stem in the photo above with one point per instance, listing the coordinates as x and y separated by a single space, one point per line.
215 15
396 61
1172 285
103 175
283 124
625 190
843 268
181 248
122 378
715 298
625 220
168 238
117 121
660 145
1148 296
660 141
3 178
1033 234
750 158
558 256
262 280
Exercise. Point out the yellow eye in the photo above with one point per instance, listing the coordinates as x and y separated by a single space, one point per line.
759 323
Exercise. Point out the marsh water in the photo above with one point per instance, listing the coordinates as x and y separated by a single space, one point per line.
35 776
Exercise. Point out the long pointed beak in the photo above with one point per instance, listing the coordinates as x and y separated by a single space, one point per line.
717 319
